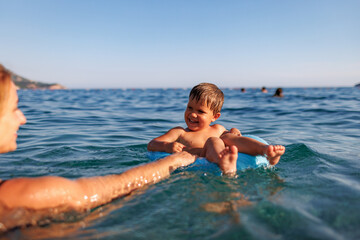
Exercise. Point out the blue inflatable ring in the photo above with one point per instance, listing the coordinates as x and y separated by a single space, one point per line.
244 161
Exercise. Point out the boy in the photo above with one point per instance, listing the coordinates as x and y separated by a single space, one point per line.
213 142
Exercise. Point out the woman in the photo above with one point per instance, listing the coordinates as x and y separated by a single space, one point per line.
278 93
57 192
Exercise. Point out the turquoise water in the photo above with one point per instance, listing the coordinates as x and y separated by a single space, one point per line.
313 193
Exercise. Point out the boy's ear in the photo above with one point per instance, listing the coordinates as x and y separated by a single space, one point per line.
216 116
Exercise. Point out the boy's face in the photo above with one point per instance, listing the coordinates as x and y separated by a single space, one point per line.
198 115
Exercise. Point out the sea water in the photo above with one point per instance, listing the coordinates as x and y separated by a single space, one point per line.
313 193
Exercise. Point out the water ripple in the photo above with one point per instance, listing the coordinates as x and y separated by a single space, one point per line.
312 193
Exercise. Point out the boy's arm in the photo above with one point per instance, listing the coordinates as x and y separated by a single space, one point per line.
167 142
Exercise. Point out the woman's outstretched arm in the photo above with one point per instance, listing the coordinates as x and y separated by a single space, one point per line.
86 193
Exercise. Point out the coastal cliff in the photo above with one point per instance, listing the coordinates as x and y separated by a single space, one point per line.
23 83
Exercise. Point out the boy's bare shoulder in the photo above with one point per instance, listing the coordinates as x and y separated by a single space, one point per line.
220 128
177 129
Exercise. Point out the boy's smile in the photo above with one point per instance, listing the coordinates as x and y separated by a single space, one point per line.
198 115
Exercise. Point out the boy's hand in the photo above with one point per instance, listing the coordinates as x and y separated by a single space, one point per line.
175 147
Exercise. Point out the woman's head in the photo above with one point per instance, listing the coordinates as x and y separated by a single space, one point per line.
10 116
5 85
278 92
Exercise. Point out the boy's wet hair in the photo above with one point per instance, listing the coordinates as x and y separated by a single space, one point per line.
210 94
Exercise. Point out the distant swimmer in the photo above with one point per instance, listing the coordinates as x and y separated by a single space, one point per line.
264 90
278 93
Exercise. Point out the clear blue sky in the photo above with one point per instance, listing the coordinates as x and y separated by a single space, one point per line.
170 43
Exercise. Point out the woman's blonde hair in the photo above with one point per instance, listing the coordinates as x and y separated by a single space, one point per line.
5 85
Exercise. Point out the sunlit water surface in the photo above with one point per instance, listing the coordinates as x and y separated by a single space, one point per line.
313 193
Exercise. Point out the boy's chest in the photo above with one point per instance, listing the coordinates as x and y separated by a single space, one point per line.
197 140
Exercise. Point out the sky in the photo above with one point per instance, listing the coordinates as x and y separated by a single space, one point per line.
178 44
